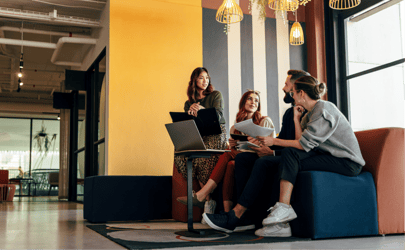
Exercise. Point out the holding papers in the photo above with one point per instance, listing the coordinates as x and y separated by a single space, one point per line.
244 145
253 130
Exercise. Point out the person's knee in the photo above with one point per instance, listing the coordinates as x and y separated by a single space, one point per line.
261 165
230 166
242 157
287 151
244 160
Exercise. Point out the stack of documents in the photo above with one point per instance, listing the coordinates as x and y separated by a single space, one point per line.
244 145
253 130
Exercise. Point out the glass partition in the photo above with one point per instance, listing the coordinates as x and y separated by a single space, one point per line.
15 146
29 149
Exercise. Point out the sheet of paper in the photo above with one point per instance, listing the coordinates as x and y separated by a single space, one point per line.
246 145
253 130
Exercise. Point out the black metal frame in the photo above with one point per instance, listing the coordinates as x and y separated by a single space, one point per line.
336 54
91 129
74 119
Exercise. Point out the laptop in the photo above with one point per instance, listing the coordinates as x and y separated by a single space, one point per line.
206 121
185 137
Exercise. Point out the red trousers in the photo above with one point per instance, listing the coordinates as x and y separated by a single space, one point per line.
224 170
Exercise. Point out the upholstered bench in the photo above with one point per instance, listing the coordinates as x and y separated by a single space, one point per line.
330 205
127 198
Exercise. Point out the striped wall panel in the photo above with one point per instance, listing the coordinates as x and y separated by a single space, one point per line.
215 55
272 72
254 55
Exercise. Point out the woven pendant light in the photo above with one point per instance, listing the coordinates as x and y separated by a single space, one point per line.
229 12
296 34
287 5
343 4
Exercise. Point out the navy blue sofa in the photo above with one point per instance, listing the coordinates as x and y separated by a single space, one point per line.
127 198
330 205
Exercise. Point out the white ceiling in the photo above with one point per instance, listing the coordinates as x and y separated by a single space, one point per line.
41 77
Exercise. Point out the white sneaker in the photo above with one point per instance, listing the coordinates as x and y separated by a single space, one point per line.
279 213
209 208
276 230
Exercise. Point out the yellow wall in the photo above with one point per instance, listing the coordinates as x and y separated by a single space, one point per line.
154 46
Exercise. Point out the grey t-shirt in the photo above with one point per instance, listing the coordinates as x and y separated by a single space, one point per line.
326 128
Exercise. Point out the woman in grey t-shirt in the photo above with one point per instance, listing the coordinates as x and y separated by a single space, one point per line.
324 141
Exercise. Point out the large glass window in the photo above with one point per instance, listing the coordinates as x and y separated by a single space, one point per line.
374 39
15 146
29 149
375 69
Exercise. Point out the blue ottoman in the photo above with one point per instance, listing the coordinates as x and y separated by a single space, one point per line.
330 205
125 198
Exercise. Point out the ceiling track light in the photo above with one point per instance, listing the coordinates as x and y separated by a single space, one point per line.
22 61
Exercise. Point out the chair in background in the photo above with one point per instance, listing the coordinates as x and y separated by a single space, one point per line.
8 190
53 181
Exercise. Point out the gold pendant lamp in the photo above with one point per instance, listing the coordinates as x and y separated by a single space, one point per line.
229 12
343 4
296 34
287 5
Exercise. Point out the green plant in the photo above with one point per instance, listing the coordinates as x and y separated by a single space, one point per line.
43 143
262 8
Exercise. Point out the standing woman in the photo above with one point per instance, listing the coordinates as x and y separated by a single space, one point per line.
249 108
201 95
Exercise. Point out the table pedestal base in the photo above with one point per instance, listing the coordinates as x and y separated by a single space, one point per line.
201 233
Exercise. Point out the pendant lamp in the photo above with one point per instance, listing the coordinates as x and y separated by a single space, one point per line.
287 5
229 12
296 34
343 4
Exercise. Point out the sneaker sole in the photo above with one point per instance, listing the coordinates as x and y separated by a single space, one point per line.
280 221
275 235
243 228
212 225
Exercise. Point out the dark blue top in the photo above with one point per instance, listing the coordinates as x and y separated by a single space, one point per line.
287 131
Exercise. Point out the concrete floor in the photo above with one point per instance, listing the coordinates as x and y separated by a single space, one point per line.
46 223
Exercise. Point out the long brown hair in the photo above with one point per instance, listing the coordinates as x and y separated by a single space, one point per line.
192 88
242 114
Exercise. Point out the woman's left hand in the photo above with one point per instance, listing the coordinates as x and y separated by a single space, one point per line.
194 108
266 140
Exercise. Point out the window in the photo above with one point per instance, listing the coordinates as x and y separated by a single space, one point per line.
370 58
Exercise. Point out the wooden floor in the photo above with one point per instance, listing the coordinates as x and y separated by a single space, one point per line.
46 223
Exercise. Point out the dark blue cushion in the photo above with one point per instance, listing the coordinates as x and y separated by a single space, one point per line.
330 205
124 198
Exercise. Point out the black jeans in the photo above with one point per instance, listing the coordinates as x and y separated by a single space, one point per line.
294 160
256 177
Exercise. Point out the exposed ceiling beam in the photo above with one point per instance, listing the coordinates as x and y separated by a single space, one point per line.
51 17
27 43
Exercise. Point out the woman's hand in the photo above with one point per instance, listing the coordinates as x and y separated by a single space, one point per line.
194 108
298 111
266 140
253 140
232 143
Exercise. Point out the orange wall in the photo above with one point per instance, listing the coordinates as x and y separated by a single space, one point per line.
154 46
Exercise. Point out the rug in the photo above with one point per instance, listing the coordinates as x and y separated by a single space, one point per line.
162 234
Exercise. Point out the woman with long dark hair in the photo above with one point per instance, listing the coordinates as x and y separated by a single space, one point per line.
249 108
201 95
